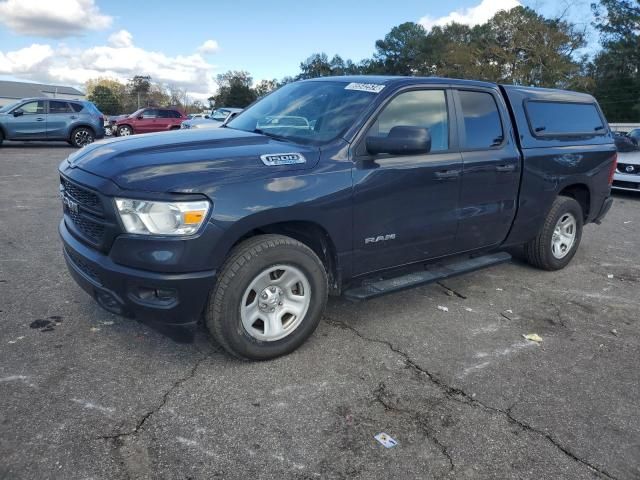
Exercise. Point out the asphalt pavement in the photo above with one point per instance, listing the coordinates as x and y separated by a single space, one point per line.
88 395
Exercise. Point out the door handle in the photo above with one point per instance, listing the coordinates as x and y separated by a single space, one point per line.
506 168
447 174
39 119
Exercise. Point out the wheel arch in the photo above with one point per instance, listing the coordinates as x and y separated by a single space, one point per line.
310 233
581 193
125 125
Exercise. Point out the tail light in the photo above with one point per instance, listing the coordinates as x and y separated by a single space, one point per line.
613 168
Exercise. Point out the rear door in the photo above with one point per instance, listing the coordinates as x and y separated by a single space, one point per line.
60 116
491 168
405 205
32 124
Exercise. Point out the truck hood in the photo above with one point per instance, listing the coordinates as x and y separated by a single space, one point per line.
184 160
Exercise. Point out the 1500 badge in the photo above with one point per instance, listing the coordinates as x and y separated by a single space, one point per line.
275 159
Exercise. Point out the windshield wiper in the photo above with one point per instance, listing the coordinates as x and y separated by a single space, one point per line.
269 134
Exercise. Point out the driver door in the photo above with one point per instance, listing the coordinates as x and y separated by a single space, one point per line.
32 124
405 206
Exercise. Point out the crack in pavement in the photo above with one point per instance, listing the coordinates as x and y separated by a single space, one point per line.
382 395
141 422
459 395
450 291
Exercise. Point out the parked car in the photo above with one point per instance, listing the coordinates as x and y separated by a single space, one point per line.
627 176
215 120
79 122
147 120
252 229
635 135
624 143
191 116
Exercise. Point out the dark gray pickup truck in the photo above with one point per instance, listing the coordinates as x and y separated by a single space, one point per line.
360 186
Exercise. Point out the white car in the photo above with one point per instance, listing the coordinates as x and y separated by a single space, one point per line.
215 120
627 175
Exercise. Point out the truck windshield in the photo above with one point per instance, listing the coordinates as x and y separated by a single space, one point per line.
307 112
6 108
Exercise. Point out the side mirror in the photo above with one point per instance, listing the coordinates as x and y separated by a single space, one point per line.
18 112
401 140
139 117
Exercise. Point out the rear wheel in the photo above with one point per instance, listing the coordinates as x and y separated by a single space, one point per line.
82 136
558 240
124 131
268 299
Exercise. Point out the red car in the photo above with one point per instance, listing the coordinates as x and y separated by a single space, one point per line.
148 120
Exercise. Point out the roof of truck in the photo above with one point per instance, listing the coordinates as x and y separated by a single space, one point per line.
521 91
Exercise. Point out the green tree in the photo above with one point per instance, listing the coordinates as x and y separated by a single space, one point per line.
403 49
105 99
616 68
264 87
317 65
138 88
234 90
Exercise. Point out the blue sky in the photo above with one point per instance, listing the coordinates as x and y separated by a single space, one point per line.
68 41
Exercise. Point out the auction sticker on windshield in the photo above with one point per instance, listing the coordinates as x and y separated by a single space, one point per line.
365 87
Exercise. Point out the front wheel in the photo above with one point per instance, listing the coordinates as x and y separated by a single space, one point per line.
124 131
558 240
268 299
82 136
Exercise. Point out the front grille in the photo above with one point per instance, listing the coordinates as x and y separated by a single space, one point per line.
84 267
629 168
84 197
93 230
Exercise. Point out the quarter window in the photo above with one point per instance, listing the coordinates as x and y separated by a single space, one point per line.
418 108
564 118
482 124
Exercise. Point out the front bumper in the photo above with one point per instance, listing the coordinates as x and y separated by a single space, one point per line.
173 299
624 181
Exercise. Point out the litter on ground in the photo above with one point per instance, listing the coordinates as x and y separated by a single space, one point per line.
444 309
534 337
385 440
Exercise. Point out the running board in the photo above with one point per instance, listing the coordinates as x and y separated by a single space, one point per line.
439 272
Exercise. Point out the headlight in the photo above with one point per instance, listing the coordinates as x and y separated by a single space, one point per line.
162 218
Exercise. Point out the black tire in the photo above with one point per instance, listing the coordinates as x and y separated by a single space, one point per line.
245 263
539 252
82 136
123 129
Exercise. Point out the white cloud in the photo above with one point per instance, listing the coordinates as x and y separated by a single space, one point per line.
210 46
121 39
470 16
121 60
52 18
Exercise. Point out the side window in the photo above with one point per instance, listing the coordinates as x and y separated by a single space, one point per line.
418 108
33 108
482 124
150 113
174 114
564 118
56 106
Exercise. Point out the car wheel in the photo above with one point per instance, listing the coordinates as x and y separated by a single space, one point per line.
268 299
1 137
82 136
558 240
124 131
